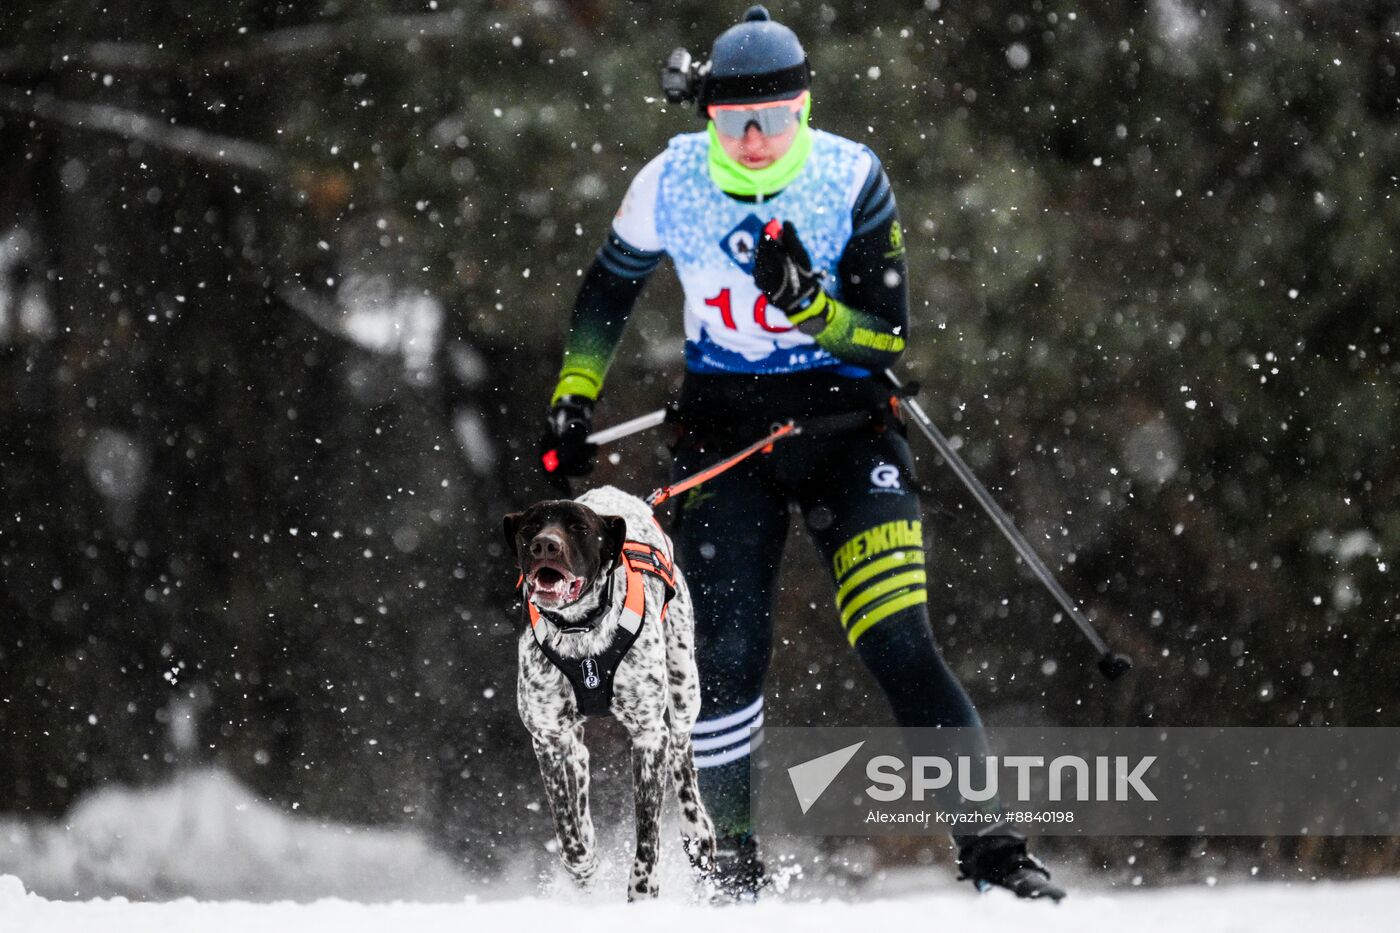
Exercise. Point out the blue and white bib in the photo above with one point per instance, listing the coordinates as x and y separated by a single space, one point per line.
673 206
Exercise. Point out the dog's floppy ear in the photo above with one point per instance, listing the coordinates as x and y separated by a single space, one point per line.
511 523
614 536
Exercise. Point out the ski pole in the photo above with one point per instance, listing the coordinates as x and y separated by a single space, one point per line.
1112 664
633 426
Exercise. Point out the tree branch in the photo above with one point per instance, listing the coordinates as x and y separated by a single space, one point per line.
97 56
322 37
128 124
438 28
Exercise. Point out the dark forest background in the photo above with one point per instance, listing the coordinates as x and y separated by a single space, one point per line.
284 286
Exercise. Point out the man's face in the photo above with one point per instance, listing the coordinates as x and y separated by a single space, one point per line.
754 149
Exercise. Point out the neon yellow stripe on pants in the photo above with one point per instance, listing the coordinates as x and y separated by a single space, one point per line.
876 590
884 610
874 568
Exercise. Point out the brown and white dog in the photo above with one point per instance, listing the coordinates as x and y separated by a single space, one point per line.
612 632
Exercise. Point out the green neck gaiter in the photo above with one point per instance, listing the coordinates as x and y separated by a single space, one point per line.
733 178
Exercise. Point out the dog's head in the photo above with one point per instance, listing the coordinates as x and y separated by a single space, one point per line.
563 549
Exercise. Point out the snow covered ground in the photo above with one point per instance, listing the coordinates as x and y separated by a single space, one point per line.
251 866
1264 907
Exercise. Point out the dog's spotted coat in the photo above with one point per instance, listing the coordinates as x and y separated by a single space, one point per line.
656 697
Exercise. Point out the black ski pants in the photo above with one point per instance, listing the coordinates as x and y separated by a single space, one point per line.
856 493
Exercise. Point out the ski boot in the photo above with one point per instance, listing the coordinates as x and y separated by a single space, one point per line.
999 858
738 873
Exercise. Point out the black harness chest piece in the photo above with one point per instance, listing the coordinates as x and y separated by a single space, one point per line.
592 676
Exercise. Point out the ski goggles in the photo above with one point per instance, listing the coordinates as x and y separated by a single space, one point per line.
772 118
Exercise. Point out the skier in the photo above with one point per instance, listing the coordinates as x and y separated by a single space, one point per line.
789 323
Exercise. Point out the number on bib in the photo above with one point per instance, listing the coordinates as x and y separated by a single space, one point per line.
760 312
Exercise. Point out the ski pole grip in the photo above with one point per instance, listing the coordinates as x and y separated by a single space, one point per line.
550 459
773 229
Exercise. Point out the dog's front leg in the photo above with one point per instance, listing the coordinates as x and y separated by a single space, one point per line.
564 766
650 751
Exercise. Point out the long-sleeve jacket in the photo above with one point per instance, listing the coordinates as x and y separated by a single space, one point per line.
844 211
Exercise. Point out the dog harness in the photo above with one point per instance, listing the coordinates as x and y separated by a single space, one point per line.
592 677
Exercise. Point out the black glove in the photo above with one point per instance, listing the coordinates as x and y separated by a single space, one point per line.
782 270
564 449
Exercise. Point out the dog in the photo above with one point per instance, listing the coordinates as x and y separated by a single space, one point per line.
611 632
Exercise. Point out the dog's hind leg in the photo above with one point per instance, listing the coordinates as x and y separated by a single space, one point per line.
697 831
682 677
683 695
650 750
564 766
